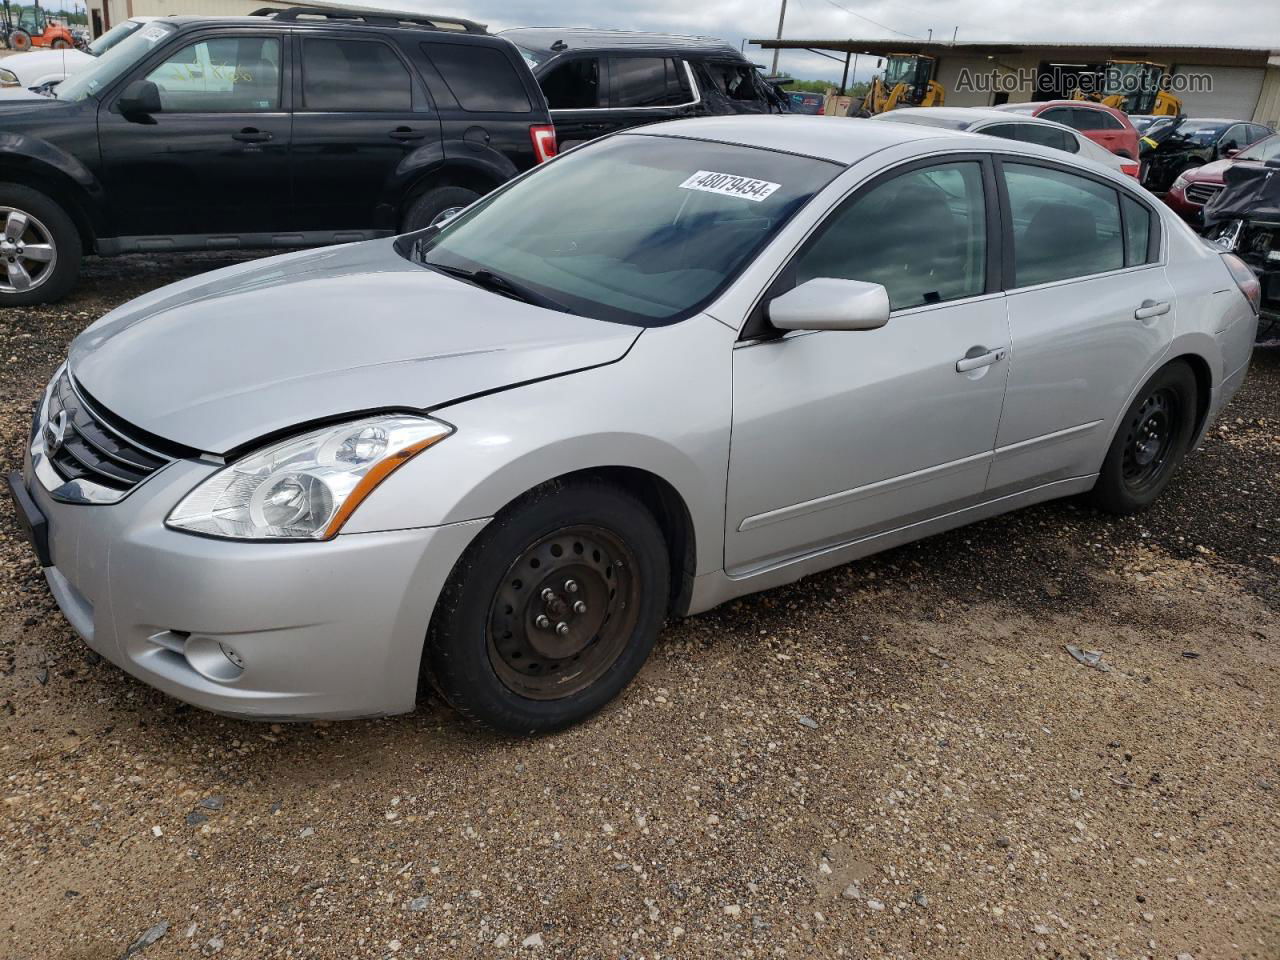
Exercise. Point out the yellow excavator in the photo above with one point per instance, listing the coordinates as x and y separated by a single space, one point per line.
907 81
1134 86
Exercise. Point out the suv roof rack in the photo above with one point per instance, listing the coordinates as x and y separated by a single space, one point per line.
382 18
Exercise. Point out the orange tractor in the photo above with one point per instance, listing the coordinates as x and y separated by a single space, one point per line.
30 27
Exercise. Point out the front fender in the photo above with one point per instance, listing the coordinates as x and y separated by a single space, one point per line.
664 408
42 161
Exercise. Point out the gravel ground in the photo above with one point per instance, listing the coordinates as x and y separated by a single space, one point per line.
897 758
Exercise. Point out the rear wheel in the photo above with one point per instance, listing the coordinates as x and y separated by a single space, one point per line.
39 248
60 44
436 206
1152 440
553 610
20 40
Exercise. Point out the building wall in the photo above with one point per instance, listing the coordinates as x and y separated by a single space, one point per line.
1268 110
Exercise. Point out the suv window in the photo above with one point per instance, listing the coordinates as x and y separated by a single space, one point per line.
1034 133
221 75
648 82
1058 115
736 81
353 76
573 85
1063 225
482 79
921 234
1086 119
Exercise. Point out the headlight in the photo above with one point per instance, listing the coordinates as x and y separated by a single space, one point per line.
305 488
9 79
1179 183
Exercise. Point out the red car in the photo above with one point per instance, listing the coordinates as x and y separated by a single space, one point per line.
1198 185
1105 126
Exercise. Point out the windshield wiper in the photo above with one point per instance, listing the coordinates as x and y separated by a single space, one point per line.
497 283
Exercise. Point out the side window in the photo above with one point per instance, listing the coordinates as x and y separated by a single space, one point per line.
362 76
1137 232
221 75
482 79
1233 139
648 82
573 85
1059 115
1033 133
735 80
1063 225
921 234
1086 119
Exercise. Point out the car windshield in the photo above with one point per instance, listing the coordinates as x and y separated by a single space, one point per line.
1263 150
111 65
636 229
114 36
1199 132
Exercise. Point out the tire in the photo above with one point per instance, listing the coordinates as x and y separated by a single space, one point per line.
1151 441
20 41
60 44
47 226
425 210
486 653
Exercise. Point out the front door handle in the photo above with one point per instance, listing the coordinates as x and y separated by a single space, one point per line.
251 135
979 357
1150 308
405 133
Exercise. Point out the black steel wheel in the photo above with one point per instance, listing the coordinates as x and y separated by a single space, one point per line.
1149 439
552 610
564 612
1152 439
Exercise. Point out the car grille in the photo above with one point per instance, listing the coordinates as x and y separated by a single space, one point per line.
1202 193
85 443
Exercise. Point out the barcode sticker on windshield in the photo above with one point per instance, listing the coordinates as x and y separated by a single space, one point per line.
730 185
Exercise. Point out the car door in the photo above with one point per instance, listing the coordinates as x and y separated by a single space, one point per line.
359 112
840 435
646 89
215 159
1103 129
577 92
1090 314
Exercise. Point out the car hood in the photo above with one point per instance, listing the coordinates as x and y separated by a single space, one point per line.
20 98
219 361
37 63
1210 171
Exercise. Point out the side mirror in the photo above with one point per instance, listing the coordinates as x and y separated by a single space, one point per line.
827 303
140 100
1230 147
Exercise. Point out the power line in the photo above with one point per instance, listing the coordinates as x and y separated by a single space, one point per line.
854 13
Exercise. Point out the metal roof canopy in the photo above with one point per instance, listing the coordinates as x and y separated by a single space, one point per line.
1120 50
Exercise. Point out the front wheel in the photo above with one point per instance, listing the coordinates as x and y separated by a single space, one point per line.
437 206
553 610
39 248
1152 439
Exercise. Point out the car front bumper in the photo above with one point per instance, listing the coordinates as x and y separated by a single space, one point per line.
262 630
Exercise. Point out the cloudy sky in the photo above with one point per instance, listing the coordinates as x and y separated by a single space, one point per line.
1249 22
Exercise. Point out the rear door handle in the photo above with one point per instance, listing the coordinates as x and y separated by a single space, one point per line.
1150 308
974 360
251 135
406 133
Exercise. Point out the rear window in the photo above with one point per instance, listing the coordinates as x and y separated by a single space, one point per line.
354 76
737 81
482 79
1095 120
1040 133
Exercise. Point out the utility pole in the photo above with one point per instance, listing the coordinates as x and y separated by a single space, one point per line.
782 15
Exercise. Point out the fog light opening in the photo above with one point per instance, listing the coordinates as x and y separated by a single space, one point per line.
214 659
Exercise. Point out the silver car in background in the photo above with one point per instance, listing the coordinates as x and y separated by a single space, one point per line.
673 367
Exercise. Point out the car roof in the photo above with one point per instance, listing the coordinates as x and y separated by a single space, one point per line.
547 40
969 114
841 140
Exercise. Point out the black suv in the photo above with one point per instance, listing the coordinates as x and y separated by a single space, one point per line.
285 128
600 81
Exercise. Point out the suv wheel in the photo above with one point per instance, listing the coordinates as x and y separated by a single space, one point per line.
39 248
436 206
553 609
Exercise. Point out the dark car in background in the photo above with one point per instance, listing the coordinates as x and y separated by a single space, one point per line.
1196 142
289 128
601 81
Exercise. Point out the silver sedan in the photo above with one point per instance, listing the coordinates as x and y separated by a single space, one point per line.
670 368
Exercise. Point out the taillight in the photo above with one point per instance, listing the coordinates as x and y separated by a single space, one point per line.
1130 168
1245 279
544 142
